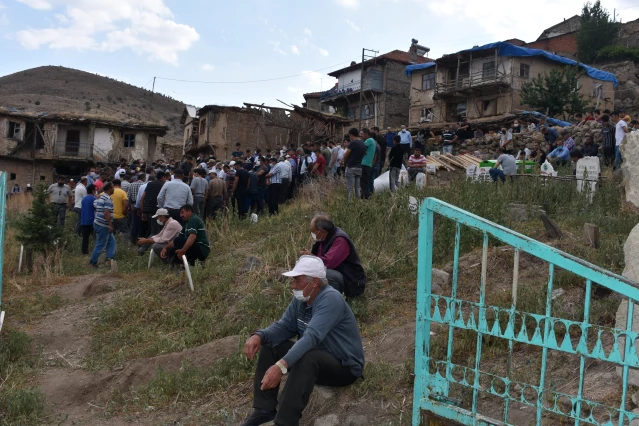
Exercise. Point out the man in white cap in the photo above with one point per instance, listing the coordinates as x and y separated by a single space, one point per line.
170 229
328 350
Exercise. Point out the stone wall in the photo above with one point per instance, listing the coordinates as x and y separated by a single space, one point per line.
395 101
487 145
25 172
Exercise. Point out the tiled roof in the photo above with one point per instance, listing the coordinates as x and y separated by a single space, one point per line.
395 56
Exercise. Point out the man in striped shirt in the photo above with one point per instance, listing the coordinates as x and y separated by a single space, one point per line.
416 164
103 226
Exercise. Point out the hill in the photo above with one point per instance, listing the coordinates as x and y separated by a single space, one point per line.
55 89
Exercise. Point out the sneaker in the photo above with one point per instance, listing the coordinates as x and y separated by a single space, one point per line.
259 417
93 266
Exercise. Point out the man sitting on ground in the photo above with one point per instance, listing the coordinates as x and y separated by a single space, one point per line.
171 229
344 272
192 241
328 350
416 164
508 164
560 155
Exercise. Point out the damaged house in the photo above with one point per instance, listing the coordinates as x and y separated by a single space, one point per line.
382 85
486 81
35 147
215 129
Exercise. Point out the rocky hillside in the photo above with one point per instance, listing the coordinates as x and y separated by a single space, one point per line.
59 89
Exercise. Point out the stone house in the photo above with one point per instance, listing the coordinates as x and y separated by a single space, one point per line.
254 126
35 147
486 81
385 90
190 122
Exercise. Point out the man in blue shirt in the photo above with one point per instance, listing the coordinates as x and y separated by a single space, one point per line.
550 135
560 155
407 140
87 216
328 350
389 138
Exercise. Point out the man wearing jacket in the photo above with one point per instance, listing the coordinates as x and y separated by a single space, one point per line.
345 272
328 350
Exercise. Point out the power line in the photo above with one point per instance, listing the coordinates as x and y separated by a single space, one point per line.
251 81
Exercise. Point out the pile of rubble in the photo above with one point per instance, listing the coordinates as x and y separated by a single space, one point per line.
487 145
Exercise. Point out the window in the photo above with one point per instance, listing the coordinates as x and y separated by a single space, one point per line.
428 81
129 140
524 71
202 125
14 130
42 178
368 111
461 109
12 176
488 70
426 115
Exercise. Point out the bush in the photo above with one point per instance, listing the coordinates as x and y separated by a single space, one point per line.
618 53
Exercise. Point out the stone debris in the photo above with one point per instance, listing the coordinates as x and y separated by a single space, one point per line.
551 229
591 235
630 167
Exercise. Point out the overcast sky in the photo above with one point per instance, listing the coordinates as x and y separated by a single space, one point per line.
242 41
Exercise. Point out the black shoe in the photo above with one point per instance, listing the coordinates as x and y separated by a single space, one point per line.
259 417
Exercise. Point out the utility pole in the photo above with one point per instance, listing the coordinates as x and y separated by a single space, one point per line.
361 80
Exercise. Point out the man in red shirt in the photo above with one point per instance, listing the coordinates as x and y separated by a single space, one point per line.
320 163
344 270
416 164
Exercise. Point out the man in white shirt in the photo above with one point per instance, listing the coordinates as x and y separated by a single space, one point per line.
80 192
621 128
506 141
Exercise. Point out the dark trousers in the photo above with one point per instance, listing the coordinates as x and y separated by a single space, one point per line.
213 204
175 214
261 200
192 254
86 231
136 223
62 213
406 148
374 175
609 156
273 199
365 182
239 199
198 205
291 187
286 182
78 212
250 202
315 367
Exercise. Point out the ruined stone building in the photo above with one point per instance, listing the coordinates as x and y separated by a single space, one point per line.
486 81
216 129
35 147
385 91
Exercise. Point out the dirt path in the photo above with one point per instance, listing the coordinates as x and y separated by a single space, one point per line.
71 391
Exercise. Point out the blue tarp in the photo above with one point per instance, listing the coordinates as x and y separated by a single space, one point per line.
550 120
411 68
507 49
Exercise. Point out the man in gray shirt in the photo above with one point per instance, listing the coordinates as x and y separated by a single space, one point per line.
60 194
198 187
328 350
508 164
174 194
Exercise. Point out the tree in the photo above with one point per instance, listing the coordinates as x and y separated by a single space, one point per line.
596 31
555 93
38 230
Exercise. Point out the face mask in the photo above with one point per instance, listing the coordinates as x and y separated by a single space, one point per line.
160 222
299 295
314 236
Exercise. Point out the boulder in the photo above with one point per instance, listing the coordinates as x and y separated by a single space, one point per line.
551 229
630 167
631 271
440 278
251 263
328 420
356 420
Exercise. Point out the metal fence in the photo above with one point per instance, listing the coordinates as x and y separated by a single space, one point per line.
531 332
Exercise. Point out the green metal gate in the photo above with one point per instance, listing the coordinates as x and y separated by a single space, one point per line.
435 377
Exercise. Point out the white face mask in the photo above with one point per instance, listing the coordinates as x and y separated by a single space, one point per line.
314 236
160 222
299 294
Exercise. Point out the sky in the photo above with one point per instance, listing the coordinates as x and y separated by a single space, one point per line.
224 49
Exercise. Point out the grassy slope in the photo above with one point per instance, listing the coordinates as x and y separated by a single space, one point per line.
153 317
